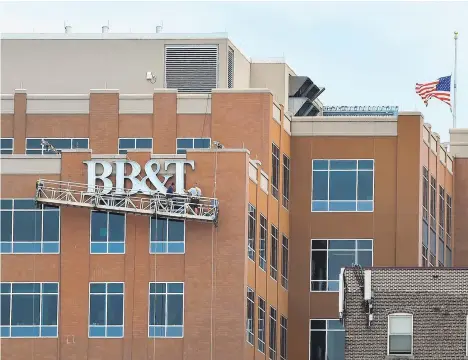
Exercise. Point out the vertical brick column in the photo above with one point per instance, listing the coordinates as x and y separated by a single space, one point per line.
164 121
19 123
74 265
104 121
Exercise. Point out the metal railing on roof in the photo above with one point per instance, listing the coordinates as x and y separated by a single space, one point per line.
360 110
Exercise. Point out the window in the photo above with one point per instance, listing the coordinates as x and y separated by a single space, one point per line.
432 247
261 324
166 310
262 247
400 334
329 256
274 170
251 232
441 255
107 233
230 68
286 178
285 262
40 236
343 185
274 252
192 143
134 143
29 309
106 309
250 328
448 228
425 242
441 212
448 256
327 340
283 338
272 333
167 236
425 194
433 202
34 145
6 145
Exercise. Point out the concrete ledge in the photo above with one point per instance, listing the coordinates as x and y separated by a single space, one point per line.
108 156
241 91
7 104
218 150
57 104
138 150
104 91
76 151
20 91
27 156
411 113
30 165
168 156
135 104
165 91
193 103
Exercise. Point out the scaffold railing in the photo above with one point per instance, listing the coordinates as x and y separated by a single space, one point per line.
172 206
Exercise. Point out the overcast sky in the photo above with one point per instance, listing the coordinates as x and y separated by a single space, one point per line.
363 53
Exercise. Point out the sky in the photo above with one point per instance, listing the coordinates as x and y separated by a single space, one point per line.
363 53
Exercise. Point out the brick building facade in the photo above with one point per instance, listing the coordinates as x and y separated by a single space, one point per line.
426 308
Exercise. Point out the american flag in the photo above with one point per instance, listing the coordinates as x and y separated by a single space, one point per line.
439 89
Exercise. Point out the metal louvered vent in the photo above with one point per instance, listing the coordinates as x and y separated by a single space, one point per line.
231 68
191 68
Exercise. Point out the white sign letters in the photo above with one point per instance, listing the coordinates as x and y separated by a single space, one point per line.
139 183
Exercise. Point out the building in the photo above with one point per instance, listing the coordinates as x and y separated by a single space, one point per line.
405 312
258 141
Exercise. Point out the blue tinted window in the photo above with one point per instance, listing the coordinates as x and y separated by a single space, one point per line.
327 261
6 143
327 340
60 143
80 143
135 143
343 185
166 310
185 143
201 143
107 233
34 145
127 143
144 143
32 313
106 310
167 236
192 143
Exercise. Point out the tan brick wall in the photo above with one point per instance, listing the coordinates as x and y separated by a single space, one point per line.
57 126
104 123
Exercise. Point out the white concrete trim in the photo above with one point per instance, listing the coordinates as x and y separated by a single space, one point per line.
108 156
165 91
410 113
139 150
20 91
168 156
57 104
193 103
7 104
114 36
75 151
32 156
459 131
241 91
104 91
218 150
135 104
30 165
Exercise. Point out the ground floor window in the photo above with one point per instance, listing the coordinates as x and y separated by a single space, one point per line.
327 340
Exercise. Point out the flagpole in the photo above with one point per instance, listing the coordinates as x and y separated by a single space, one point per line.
454 113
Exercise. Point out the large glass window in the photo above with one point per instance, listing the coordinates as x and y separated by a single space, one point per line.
167 236
425 194
126 144
275 154
400 334
441 213
329 256
448 228
441 255
286 179
192 143
274 252
106 309
6 145
433 202
29 309
107 233
273 319
448 257
166 310
425 242
261 324
343 185
249 326
284 338
29 229
36 146
252 229
327 340
262 246
432 247
285 262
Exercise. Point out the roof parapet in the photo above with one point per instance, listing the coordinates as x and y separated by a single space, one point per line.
360 111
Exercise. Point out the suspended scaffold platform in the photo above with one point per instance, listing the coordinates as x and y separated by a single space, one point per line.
171 206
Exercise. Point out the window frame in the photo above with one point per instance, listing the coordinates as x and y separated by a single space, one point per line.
106 326
40 293
275 170
42 209
283 340
178 149
273 335
388 333
166 241
284 262
119 148
356 250
274 252
326 330
356 170
166 309
7 149
448 228
433 202
26 149
107 234
262 261
250 334
261 343
425 190
251 237
286 184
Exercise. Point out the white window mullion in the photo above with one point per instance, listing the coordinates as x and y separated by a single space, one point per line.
105 311
40 309
166 311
